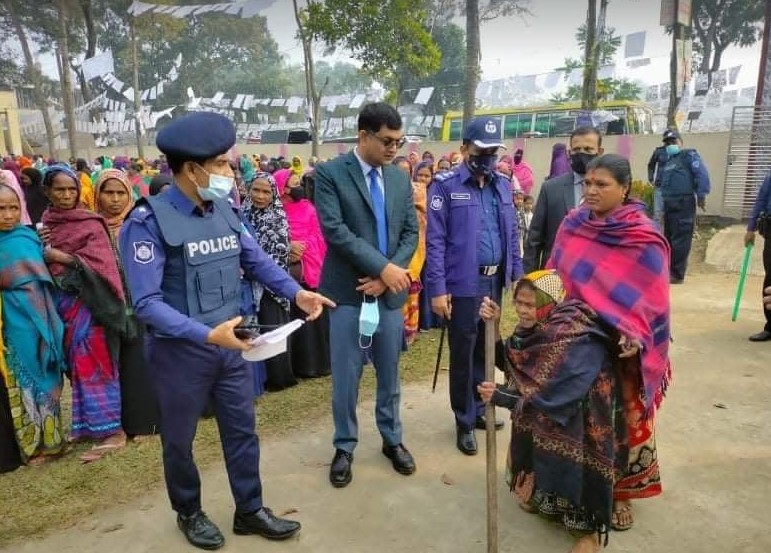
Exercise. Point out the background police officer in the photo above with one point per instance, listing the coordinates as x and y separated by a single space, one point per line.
760 222
684 184
183 252
656 163
472 252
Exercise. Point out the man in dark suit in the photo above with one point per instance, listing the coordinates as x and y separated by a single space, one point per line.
367 216
558 196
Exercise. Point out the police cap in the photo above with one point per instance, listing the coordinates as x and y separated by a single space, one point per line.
484 132
200 135
671 135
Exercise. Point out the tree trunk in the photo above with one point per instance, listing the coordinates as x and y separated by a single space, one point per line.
35 77
678 33
137 104
591 85
66 79
88 18
311 95
589 48
472 60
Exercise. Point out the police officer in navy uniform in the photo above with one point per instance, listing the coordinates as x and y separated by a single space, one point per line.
183 252
684 185
472 252
760 222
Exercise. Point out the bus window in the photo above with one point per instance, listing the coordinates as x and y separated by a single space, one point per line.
616 127
544 124
516 125
564 124
456 128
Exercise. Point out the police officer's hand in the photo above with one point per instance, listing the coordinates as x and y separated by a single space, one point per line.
372 286
222 335
396 278
767 298
312 303
442 306
702 203
749 238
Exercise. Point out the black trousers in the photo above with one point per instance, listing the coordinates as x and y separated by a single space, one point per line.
767 276
679 223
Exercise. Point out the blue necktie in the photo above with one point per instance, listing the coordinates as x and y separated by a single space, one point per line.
378 203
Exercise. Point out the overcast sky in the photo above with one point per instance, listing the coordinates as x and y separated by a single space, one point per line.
539 43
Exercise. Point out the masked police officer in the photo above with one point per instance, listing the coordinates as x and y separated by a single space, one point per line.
760 222
684 184
183 252
472 252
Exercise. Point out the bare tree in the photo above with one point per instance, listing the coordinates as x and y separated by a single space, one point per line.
66 78
33 72
473 54
313 95
595 35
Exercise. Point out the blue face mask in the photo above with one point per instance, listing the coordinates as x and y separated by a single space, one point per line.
672 149
369 319
219 187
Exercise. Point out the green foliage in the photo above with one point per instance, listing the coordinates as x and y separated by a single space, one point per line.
607 89
643 191
718 24
449 80
386 36
609 44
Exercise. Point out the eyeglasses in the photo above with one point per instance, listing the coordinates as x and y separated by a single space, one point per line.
389 142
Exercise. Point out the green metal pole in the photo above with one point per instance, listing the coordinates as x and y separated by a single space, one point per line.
742 279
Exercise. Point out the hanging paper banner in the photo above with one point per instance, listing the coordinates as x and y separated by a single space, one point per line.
243 8
98 65
424 95
635 45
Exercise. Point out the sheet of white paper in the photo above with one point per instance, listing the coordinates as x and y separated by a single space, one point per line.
270 344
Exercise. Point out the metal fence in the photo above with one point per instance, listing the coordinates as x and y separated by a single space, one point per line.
749 159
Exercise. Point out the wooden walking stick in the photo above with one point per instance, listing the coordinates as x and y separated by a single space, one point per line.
439 354
492 480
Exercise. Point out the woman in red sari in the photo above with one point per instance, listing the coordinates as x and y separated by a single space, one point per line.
91 302
612 256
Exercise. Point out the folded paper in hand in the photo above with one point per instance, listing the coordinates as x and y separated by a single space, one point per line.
272 343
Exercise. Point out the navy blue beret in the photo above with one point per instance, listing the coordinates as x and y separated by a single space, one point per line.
200 135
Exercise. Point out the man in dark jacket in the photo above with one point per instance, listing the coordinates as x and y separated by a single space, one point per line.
558 196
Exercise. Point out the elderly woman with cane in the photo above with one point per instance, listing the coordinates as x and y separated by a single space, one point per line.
568 434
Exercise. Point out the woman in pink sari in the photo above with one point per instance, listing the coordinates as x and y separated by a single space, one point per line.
310 344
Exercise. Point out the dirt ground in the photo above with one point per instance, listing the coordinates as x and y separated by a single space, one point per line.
714 447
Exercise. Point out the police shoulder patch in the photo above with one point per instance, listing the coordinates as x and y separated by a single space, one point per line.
436 203
144 252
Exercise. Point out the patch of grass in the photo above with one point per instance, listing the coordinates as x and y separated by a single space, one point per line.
59 494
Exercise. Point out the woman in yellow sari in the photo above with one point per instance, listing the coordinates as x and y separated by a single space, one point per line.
422 178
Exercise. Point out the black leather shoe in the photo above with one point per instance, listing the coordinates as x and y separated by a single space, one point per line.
401 458
264 523
466 441
481 423
763 336
200 531
673 280
340 474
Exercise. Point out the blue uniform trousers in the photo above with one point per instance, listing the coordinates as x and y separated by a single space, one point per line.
347 359
186 376
466 332
679 222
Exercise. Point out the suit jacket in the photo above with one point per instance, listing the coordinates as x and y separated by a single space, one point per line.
555 200
348 223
